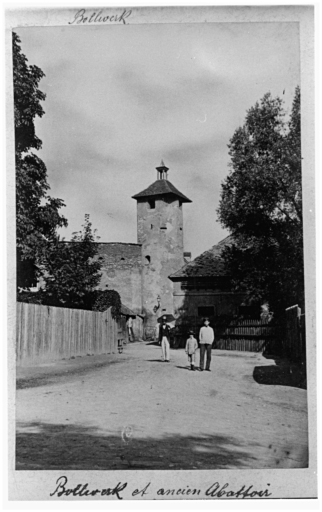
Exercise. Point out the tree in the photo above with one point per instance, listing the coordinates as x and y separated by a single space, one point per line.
37 213
71 269
261 204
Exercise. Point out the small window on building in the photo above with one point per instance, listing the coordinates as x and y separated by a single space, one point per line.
151 204
206 311
180 203
180 229
151 226
122 259
147 260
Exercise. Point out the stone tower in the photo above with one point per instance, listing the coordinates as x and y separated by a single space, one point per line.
160 231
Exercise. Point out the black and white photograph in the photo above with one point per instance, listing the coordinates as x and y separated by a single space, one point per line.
162 269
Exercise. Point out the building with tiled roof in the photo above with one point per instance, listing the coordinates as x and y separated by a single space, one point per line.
140 272
160 233
155 275
202 288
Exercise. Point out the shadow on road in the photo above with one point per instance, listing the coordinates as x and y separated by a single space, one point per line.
282 373
44 446
158 344
154 360
64 373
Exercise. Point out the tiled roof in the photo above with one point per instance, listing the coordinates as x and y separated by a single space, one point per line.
208 264
161 187
128 312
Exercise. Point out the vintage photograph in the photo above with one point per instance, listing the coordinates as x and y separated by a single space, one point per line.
161 305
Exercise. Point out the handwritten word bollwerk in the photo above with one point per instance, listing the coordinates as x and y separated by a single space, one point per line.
82 17
82 490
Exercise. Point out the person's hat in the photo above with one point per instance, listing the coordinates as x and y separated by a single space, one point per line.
191 331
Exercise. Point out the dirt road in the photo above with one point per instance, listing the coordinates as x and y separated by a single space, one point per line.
132 410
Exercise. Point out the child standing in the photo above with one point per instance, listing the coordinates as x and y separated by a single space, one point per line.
191 347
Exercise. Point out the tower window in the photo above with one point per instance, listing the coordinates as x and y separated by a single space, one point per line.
151 204
147 260
151 226
180 229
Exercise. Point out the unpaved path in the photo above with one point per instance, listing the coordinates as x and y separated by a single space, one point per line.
132 410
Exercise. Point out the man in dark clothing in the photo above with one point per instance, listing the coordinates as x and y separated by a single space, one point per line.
164 337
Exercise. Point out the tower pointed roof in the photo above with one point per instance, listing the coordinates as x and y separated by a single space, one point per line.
161 187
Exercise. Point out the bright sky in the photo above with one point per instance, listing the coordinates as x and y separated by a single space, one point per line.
121 98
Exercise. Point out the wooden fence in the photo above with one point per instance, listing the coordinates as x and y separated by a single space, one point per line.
251 335
50 333
294 346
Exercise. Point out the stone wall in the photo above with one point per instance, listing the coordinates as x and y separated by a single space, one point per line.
122 271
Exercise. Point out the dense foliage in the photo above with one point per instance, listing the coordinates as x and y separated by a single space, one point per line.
103 299
261 204
70 269
37 213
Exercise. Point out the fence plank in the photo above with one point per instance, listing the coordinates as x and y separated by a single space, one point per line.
52 319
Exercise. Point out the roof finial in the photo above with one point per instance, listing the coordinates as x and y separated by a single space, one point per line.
162 171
